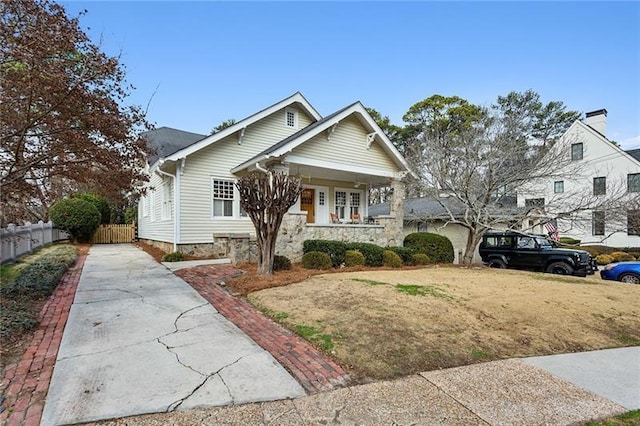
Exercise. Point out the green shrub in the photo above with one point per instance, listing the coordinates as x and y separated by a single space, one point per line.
406 254
335 249
353 258
101 204
596 250
371 252
131 215
281 263
16 317
569 241
174 256
78 217
437 247
38 279
604 259
421 259
391 259
620 256
316 260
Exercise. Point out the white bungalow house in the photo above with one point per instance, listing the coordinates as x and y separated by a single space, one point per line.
599 201
191 203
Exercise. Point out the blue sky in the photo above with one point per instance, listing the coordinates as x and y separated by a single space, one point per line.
210 61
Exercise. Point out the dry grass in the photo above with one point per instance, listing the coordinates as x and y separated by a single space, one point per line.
447 316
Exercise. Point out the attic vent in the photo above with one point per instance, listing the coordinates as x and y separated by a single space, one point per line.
291 118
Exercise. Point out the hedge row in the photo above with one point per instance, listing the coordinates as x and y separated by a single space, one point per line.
419 248
36 281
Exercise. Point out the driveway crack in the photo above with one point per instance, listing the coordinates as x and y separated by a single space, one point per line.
176 404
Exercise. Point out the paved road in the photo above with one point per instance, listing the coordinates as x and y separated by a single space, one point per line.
141 340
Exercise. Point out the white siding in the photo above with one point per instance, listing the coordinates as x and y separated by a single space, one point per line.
600 158
197 224
347 145
150 223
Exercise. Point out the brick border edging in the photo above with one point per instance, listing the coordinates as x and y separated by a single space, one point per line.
26 383
313 370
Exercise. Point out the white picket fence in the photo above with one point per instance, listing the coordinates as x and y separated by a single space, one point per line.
18 240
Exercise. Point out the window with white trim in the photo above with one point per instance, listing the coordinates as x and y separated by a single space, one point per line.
291 118
347 203
222 198
341 203
558 186
152 202
577 151
145 205
166 200
354 203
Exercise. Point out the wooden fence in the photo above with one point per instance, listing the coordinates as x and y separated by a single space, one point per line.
114 234
16 241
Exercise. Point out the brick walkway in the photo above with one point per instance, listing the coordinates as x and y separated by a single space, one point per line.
314 370
25 384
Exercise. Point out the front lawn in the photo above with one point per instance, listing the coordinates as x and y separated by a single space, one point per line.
386 324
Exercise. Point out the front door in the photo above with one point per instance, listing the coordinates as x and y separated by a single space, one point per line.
307 204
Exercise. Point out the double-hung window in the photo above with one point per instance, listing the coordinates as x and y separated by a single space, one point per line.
577 151
633 222
166 200
223 198
341 204
599 185
597 223
558 186
348 203
633 182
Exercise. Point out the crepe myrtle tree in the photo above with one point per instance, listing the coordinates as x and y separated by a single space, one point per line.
266 197
471 158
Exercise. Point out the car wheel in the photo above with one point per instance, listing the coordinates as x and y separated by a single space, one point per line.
497 263
559 268
630 278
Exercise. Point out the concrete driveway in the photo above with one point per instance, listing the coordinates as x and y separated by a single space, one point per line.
140 340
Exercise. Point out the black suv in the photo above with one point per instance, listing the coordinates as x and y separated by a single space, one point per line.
517 250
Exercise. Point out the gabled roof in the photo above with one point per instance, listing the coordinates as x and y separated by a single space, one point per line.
298 138
422 208
203 143
632 155
165 141
635 153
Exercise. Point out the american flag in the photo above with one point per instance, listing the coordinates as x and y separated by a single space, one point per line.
552 228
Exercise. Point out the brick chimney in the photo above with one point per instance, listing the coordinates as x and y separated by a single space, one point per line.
597 120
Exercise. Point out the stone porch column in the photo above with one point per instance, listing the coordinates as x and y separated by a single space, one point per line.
394 227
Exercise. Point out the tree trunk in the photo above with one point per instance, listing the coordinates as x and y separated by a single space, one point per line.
473 239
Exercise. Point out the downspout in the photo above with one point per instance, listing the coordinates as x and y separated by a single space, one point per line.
176 203
262 169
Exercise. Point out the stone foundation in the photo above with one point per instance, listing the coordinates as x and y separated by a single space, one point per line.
293 232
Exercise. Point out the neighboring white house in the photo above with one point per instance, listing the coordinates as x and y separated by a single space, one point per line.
597 202
191 203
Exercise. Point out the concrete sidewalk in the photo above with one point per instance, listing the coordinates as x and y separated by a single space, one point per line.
509 392
140 340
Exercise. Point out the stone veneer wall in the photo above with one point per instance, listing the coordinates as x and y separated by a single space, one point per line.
293 231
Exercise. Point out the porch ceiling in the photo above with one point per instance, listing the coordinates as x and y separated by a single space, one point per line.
311 173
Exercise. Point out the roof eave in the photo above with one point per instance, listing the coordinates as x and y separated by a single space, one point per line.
295 98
